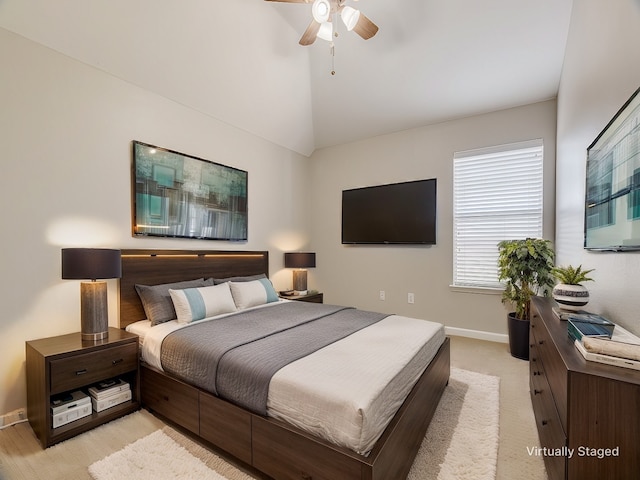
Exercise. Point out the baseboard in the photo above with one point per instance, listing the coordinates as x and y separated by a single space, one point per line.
480 335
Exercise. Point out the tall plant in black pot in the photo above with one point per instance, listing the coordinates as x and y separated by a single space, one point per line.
525 266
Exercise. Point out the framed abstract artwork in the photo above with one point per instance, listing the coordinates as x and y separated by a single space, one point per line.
612 199
179 195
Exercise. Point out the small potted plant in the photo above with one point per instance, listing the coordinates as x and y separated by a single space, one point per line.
569 293
525 266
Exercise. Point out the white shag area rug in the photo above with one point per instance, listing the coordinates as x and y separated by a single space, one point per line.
461 443
154 457
464 431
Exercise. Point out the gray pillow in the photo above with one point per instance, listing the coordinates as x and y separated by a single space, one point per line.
156 299
250 278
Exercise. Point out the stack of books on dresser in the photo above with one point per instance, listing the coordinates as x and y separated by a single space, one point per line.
588 324
601 341
109 393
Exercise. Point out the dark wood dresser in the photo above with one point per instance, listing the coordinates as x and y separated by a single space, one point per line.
587 413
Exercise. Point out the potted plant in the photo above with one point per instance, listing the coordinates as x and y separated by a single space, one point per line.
570 294
525 266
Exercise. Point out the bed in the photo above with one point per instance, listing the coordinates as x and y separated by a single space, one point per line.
275 443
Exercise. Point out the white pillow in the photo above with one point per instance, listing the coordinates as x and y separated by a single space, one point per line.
194 304
250 294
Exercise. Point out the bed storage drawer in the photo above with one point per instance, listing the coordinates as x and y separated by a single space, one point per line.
318 462
226 426
170 398
81 370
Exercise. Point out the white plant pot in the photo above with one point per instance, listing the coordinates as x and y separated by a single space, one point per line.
570 297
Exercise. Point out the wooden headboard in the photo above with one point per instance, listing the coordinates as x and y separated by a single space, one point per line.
153 267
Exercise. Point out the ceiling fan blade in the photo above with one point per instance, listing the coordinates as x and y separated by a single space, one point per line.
290 1
310 34
365 27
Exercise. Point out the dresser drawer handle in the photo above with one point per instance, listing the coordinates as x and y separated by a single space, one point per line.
537 392
544 422
115 362
81 372
541 342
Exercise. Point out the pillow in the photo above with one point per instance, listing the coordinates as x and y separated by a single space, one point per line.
156 300
250 294
249 278
194 304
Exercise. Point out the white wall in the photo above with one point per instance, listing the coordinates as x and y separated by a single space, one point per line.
601 71
354 275
66 130
250 71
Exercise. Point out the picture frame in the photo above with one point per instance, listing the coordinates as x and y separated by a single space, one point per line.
612 193
183 196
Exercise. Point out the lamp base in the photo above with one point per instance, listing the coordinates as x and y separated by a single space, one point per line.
300 282
94 337
94 319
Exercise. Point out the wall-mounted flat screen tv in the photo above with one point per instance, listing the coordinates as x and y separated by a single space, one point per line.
398 213
179 195
612 200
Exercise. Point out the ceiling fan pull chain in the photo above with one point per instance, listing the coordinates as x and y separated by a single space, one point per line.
332 50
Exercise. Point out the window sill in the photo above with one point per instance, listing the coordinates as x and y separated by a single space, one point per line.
476 290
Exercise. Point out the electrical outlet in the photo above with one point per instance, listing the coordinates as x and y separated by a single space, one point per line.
383 295
12 417
410 298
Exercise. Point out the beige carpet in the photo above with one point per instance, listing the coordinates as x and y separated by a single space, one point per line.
461 443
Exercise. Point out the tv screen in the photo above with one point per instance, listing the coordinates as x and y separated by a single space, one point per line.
398 213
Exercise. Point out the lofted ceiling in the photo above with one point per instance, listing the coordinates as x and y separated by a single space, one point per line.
239 60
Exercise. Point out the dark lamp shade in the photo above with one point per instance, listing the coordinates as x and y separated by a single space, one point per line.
299 260
90 263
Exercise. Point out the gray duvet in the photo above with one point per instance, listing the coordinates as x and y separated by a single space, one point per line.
236 356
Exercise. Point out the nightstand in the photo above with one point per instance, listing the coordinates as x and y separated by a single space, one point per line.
312 297
65 364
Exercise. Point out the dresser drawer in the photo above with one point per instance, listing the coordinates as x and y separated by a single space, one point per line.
77 371
550 428
554 368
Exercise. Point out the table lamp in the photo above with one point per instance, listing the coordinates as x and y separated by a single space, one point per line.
92 264
300 262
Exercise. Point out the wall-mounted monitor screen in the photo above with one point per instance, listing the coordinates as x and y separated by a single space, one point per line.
612 200
178 195
398 213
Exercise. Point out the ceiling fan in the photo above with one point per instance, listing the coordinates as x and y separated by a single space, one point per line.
322 24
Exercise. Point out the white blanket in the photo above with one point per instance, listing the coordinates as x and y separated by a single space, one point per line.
349 391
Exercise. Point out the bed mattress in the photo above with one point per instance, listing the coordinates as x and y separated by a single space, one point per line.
346 392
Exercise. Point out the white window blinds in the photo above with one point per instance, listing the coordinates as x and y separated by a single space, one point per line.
497 195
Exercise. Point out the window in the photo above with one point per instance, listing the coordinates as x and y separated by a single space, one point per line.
497 195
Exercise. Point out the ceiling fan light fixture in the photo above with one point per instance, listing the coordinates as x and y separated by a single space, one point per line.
350 17
321 10
326 31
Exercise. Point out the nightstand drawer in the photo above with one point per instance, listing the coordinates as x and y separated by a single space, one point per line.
80 370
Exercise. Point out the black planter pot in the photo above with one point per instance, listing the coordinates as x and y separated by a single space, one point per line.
518 337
